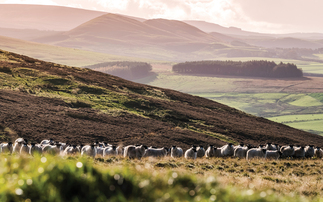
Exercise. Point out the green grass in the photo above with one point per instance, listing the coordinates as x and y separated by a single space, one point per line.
306 101
314 68
255 96
117 179
309 122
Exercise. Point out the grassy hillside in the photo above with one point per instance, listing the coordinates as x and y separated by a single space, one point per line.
81 105
60 55
117 179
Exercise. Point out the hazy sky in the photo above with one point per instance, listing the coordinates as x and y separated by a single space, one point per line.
273 16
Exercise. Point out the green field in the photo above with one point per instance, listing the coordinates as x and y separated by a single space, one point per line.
300 110
269 98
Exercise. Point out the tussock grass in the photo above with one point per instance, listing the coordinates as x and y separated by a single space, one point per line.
117 179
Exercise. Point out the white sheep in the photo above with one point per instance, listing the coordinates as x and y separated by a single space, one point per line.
270 147
156 152
318 152
35 148
210 151
273 154
241 152
53 149
6 147
110 150
238 146
89 150
217 152
71 150
200 152
309 151
18 144
132 151
46 142
256 153
191 153
24 149
227 150
299 152
99 150
176 152
287 151
120 150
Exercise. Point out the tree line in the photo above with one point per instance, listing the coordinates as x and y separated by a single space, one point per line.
124 69
260 68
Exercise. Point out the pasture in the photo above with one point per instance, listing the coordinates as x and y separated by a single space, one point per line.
269 98
119 179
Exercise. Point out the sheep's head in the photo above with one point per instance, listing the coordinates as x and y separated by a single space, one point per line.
201 147
230 144
174 146
264 151
32 144
194 149
10 143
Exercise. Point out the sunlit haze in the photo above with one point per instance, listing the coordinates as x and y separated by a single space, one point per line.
274 16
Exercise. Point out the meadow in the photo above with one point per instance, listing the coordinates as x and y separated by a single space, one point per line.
49 178
288 101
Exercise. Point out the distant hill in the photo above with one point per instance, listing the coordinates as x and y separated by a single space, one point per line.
45 100
61 55
116 34
212 27
182 30
25 34
56 18
286 43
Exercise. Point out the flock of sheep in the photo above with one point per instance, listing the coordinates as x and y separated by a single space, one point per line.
102 149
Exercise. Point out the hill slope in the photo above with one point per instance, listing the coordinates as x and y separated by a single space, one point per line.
61 55
157 39
40 100
41 17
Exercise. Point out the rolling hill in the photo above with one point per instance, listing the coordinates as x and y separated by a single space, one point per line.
40 100
287 42
121 30
61 55
157 39
25 34
55 18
